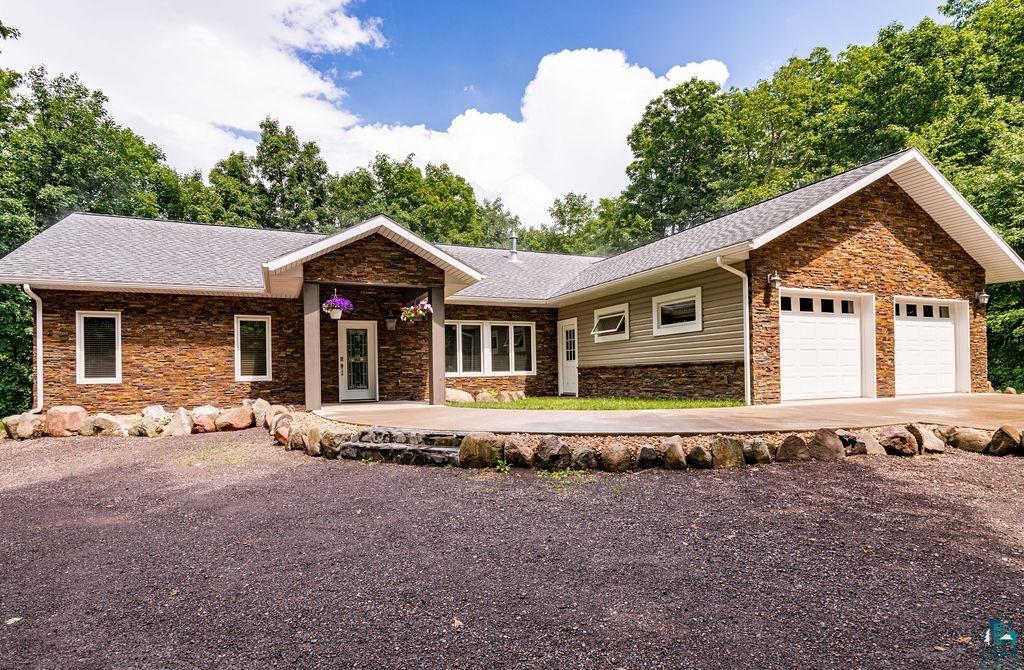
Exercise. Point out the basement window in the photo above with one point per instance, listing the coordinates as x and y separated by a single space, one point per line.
611 323
98 347
252 349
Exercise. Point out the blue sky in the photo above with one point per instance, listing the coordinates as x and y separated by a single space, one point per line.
527 100
437 51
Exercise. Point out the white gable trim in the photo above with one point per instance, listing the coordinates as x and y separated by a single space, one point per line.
1012 268
459 272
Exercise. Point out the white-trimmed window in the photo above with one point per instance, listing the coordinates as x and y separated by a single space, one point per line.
489 348
253 354
611 323
98 347
678 312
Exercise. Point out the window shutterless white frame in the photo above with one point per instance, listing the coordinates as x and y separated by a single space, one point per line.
611 335
486 367
80 377
239 377
657 302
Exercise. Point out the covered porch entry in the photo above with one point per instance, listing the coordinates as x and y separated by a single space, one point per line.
369 353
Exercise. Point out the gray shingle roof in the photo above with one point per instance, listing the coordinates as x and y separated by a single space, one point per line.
536 277
114 249
726 231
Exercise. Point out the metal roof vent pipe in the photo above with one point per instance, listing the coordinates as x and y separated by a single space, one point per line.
513 238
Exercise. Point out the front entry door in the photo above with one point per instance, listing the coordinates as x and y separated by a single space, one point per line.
357 360
568 348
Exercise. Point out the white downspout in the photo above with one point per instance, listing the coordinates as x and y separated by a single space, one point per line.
747 380
39 349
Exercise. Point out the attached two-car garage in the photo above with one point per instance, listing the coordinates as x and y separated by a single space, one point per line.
827 345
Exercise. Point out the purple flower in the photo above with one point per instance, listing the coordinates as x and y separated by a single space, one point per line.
337 302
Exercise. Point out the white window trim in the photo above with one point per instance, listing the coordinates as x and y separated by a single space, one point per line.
239 377
613 309
672 329
80 377
485 363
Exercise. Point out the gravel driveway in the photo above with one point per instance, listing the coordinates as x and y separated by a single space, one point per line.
223 551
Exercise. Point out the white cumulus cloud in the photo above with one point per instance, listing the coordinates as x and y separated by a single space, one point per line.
190 75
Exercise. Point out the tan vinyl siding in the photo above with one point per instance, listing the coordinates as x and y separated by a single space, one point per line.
720 339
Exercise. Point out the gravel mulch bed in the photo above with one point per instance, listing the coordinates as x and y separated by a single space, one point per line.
225 551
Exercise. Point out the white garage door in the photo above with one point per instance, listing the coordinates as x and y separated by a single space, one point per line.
820 347
925 348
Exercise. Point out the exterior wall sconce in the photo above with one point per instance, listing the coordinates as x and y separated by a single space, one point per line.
391 321
774 281
982 298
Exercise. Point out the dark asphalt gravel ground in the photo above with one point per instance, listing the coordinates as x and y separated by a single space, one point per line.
223 551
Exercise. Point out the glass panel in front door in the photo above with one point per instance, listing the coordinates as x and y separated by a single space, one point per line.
357 347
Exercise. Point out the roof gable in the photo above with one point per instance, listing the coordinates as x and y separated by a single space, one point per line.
456 272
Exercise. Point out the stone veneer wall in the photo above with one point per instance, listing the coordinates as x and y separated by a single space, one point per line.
876 241
175 350
545 382
373 260
403 355
703 381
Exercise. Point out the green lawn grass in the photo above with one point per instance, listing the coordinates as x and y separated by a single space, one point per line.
599 403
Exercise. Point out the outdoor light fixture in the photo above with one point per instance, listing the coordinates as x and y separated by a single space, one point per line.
774 281
982 298
391 321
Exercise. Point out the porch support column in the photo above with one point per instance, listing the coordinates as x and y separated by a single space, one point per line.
311 343
437 346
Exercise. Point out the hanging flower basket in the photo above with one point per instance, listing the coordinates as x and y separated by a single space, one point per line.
417 311
337 306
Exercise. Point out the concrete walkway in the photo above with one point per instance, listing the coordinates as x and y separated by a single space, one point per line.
987 411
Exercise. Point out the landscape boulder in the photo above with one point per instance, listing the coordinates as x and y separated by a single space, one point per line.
847 438
295 441
699 456
204 423
927 441
30 426
866 445
208 411
825 445
259 411
1005 441
1010 390
273 412
506 396
898 441
485 397
238 418
145 427
106 425
181 424
518 453
616 457
756 451
647 457
585 458
282 430
457 395
945 433
793 448
552 454
64 420
969 439
311 437
155 413
11 425
726 452
480 450
673 453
